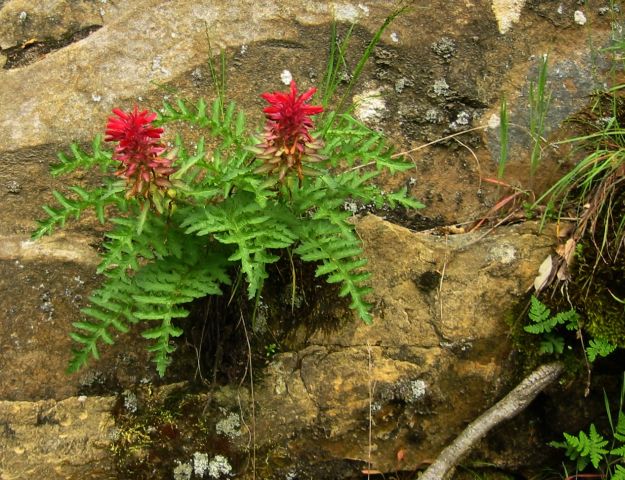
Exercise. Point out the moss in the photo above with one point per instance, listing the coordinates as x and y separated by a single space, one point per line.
167 432
594 286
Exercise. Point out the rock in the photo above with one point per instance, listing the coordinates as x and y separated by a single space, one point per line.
57 440
50 20
432 360
435 355
44 284
507 12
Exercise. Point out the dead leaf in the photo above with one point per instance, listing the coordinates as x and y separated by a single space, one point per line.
368 471
545 272
401 454
564 230
569 251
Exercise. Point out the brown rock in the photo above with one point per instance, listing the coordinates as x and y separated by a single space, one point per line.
56 440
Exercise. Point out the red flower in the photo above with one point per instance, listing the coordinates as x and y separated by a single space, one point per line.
287 139
139 151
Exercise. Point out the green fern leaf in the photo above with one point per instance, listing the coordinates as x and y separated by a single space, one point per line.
539 312
619 434
599 347
70 208
402 198
584 448
82 160
340 257
619 451
551 344
596 448
619 473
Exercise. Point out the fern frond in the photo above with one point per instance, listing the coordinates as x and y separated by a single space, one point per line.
341 261
402 198
619 473
110 309
619 433
585 447
570 319
72 208
244 224
539 313
545 323
551 344
82 160
163 286
230 126
353 142
155 293
195 115
599 347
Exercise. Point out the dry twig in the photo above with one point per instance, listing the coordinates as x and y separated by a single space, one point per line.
509 406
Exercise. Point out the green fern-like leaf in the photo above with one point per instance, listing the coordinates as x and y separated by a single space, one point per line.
72 208
229 126
340 258
541 316
166 285
110 309
196 115
83 160
244 224
402 198
155 293
599 347
543 322
619 433
584 447
619 473
551 344
570 319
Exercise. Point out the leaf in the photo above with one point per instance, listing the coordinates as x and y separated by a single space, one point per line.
586 447
619 473
545 274
599 347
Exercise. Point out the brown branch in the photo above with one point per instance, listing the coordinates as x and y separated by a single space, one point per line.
509 406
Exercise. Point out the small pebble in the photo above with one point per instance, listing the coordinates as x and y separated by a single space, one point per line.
13 187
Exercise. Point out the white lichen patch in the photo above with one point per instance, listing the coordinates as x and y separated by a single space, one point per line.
219 466
579 17
462 120
230 426
346 12
200 463
494 121
440 87
131 402
505 254
507 12
370 106
414 391
286 77
183 471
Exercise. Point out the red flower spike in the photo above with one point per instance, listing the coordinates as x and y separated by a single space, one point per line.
287 139
139 151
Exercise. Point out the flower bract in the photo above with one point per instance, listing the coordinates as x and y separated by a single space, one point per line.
287 140
139 151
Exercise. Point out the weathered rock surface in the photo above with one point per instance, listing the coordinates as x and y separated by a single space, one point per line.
436 353
56 440
432 360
